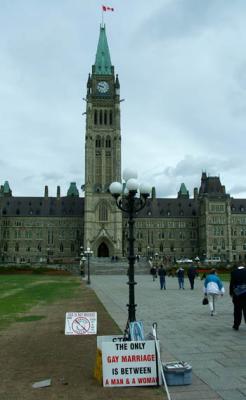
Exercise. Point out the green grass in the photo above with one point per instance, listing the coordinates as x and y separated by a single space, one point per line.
19 293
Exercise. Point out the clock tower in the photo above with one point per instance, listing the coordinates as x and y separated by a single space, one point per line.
102 219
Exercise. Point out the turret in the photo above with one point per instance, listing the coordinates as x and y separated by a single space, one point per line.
46 191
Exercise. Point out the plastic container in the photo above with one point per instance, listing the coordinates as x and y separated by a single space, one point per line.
177 373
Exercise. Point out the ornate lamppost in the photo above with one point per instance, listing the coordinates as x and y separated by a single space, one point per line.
130 198
82 262
88 253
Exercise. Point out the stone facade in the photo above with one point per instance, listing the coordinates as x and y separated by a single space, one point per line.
53 229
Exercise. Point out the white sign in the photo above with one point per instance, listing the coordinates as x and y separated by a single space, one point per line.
129 364
81 323
109 338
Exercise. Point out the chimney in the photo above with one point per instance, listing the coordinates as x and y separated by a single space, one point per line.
195 193
153 193
58 192
46 191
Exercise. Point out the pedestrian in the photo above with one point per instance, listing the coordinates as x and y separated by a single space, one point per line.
162 275
180 275
238 294
153 272
192 273
213 287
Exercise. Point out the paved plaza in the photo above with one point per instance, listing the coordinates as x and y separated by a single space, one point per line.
186 331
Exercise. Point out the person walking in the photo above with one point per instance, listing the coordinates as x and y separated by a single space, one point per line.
237 290
162 275
180 275
213 287
192 273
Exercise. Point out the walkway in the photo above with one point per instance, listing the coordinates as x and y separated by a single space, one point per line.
187 332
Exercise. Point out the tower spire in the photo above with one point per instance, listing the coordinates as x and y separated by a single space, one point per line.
103 64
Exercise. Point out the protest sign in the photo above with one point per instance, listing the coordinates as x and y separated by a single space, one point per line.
129 364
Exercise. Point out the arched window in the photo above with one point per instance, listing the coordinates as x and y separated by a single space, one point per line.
98 141
100 117
110 117
105 117
103 212
95 117
108 142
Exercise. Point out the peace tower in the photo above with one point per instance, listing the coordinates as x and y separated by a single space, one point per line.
102 219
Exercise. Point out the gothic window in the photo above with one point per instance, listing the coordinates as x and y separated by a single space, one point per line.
50 237
161 248
103 212
39 247
95 117
5 247
105 117
61 248
100 117
98 141
108 142
98 168
110 117
17 247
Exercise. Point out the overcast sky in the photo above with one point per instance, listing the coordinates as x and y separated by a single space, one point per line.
182 70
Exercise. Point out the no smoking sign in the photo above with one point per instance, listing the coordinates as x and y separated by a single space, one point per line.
81 323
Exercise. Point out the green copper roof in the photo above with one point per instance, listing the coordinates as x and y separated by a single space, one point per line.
73 191
103 61
6 188
183 189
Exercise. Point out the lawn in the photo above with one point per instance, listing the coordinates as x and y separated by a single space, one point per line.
19 293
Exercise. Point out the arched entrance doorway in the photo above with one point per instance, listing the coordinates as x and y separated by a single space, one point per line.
103 250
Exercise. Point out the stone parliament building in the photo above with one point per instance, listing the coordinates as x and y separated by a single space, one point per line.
53 229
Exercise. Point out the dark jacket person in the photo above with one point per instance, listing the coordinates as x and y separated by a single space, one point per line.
238 294
192 273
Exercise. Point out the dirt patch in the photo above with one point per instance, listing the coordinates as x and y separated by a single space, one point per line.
36 350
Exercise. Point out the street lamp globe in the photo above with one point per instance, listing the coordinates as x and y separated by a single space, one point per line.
115 188
144 189
132 184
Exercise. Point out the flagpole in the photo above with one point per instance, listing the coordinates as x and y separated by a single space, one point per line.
102 18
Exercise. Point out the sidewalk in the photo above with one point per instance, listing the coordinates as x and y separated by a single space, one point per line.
187 332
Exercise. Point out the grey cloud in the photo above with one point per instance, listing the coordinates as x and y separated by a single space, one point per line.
191 165
181 18
52 177
237 189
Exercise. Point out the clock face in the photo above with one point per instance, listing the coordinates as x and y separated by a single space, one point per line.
103 87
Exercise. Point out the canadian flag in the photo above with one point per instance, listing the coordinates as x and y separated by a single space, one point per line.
105 8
